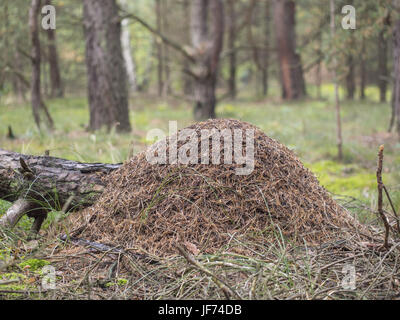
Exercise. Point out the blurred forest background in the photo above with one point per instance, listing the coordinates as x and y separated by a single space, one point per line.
90 89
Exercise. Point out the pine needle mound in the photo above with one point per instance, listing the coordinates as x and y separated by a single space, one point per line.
154 207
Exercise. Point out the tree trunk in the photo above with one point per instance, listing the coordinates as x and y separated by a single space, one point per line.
126 50
36 96
160 56
382 65
350 79
318 74
363 71
339 139
292 79
39 184
55 77
396 71
186 79
266 50
207 45
20 86
5 53
107 85
166 59
231 47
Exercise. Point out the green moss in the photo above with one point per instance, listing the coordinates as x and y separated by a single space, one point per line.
12 276
122 282
35 264
119 282
4 205
21 285
344 179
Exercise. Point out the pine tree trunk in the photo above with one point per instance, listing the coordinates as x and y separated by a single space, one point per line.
186 79
55 77
5 44
231 47
396 71
36 96
318 74
292 79
107 85
339 139
382 66
350 80
167 69
266 50
208 45
160 56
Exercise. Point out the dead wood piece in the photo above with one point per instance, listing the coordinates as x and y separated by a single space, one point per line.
39 184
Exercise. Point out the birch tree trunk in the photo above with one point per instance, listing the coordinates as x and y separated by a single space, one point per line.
127 52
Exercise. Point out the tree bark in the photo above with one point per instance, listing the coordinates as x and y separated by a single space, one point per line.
107 85
207 45
160 56
165 27
395 121
339 139
318 74
231 47
55 75
363 71
292 79
382 65
36 96
186 79
260 56
5 43
266 50
127 53
350 79
39 184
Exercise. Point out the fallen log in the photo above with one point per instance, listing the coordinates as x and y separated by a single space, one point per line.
39 184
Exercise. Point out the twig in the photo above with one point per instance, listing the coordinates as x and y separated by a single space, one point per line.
225 288
380 188
393 209
22 292
8 281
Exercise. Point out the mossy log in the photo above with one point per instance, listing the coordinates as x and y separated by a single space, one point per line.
39 184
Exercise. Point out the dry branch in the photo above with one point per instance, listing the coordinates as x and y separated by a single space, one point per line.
380 195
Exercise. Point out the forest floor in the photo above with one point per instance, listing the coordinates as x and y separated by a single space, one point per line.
307 127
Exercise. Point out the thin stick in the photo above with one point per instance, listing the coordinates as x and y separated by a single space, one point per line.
380 197
393 209
8 282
